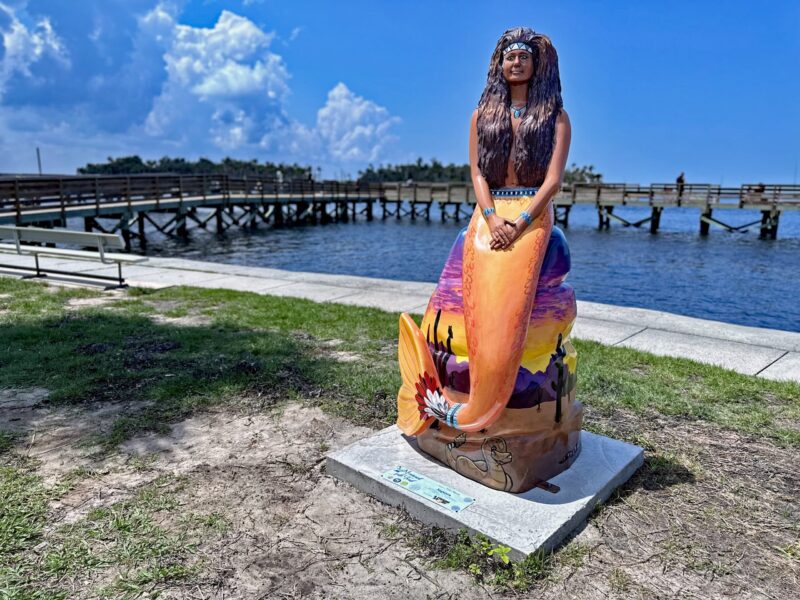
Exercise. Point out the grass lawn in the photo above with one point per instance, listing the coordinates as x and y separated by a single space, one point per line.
168 356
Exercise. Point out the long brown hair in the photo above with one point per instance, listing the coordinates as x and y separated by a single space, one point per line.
536 132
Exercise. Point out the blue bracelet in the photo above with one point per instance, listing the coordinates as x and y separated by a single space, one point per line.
488 211
526 217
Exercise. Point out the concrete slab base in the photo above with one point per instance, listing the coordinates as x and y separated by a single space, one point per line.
525 522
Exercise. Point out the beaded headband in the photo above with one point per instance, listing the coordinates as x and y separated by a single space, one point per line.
517 46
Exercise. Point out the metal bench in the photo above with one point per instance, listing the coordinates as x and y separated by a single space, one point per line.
25 238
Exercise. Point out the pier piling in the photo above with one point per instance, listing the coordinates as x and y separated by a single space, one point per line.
180 224
604 217
655 219
769 224
562 216
704 223
125 230
140 227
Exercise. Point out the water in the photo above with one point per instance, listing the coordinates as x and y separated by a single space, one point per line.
733 277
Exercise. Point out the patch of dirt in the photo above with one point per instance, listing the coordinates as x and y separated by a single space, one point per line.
165 306
56 435
344 356
292 531
185 321
705 517
328 349
100 301
15 398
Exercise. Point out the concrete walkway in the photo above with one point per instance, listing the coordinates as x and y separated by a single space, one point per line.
769 353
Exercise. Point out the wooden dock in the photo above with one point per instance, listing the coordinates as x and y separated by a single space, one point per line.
125 204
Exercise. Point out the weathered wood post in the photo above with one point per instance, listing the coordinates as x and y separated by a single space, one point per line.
125 229
705 225
140 225
769 224
655 218
322 208
180 224
604 220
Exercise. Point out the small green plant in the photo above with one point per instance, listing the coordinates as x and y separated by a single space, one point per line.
791 550
491 563
143 463
390 531
619 580
500 552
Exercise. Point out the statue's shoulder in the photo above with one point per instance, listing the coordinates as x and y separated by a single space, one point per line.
562 121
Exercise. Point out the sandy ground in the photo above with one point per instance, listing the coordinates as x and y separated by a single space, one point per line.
292 531
706 517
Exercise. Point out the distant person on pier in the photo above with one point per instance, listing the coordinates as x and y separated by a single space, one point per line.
680 182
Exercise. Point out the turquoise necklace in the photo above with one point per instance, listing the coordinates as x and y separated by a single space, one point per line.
518 110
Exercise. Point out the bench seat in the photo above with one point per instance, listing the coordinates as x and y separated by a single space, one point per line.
108 257
22 246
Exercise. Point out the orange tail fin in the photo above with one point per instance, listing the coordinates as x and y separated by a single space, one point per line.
420 382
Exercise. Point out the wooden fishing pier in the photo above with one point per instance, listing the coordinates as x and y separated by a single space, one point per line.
126 204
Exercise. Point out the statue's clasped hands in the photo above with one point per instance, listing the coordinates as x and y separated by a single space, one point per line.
504 232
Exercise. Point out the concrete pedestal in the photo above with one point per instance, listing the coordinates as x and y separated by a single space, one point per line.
524 522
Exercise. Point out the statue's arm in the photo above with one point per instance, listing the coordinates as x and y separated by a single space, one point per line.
501 230
555 170
482 193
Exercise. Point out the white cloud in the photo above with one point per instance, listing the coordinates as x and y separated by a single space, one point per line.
179 90
24 46
354 129
221 81
224 84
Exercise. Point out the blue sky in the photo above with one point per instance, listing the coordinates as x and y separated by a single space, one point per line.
652 88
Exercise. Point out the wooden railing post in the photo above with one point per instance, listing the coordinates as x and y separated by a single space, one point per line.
16 200
61 201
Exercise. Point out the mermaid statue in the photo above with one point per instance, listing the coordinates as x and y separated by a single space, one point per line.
489 377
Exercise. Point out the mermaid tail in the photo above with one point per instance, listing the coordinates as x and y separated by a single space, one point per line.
416 369
499 289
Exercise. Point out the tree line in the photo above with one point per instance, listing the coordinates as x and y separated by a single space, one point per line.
421 171
133 165
436 172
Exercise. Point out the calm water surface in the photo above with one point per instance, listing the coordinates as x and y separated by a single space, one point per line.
732 277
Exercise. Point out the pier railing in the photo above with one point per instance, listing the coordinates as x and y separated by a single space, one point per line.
21 193
48 199
24 194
